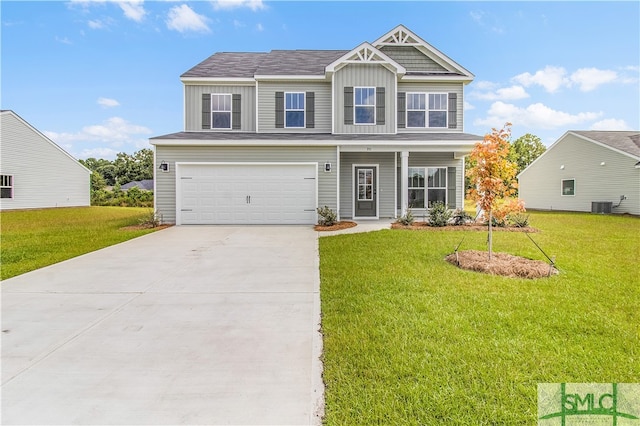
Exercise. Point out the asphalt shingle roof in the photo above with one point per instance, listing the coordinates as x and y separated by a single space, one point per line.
227 64
628 142
298 62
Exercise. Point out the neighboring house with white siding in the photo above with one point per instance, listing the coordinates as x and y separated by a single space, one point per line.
269 137
586 171
35 172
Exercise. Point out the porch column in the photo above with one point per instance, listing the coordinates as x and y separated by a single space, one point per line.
404 181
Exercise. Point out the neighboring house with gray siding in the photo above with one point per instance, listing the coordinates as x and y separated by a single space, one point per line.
586 171
269 137
35 172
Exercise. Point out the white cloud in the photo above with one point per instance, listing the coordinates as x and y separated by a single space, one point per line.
534 116
133 9
481 18
611 124
259 27
505 93
590 78
183 18
551 78
63 40
234 4
106 153
468 106
238 24
108 103
115 131
96 24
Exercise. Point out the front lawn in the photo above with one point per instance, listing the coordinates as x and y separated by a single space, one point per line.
411 339
32 239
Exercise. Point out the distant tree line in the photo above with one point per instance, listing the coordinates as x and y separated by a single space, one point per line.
124 169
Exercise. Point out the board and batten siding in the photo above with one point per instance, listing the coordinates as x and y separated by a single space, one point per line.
540 184
386 181
44 175
267 105
193 105
370 75
457 88
165 195
439 159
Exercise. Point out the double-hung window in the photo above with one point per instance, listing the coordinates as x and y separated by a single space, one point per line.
568 187
6 186
427 185
438 103
416 110
220 111
294 110
365 105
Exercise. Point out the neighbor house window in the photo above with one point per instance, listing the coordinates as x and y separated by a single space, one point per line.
436 185
365 105
6 186
416 187
568 187
438 103
294 109
416 110
220 111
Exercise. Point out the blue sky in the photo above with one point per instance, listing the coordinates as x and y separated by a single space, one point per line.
101 77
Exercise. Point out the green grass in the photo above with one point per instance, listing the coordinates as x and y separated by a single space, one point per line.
32 239
410 339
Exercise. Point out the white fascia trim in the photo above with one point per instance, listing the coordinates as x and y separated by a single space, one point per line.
335 65
345 146
218 80
290 77
436 78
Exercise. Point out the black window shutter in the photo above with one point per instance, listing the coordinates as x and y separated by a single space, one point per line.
279 110
402 110
348 105
310 106
453 111
380 105
206 110
451 187
235 111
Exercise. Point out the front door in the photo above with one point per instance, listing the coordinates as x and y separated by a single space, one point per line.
365 197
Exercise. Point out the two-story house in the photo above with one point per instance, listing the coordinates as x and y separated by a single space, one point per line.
269 137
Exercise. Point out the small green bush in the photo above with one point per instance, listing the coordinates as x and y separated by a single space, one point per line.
461 217
151 220
439 215
519 220
407 219
326 216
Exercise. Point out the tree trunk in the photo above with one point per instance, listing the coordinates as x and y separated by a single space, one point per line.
490 236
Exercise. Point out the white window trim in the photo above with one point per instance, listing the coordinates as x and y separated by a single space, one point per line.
230 111
374 106
562 181
425 110
446 110
2 185
424 188
304 110
427 187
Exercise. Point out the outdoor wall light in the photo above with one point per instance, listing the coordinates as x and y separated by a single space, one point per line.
164 166
562 167
602 164
327 167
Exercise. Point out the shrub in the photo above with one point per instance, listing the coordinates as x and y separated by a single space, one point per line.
150 220
327 217
519 220
439 215
501 213
461 217
407 219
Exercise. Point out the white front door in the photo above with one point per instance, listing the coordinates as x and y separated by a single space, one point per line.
242 193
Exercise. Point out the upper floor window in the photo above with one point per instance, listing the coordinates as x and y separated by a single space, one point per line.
438 109
365 105
416 110
6 186
568 187
220 111
294 110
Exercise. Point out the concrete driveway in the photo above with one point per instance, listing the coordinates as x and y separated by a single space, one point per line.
188 325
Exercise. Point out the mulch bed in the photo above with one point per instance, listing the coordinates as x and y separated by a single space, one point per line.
503 264
424 226
338 226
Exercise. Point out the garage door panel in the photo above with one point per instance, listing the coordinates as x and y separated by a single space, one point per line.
247 194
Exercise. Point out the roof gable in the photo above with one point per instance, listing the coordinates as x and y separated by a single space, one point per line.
366 54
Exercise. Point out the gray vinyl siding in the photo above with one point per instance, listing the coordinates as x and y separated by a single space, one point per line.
267 105
193 105
412 59
356 75
166 182
43 174
386 181
440 159
540 184
456 88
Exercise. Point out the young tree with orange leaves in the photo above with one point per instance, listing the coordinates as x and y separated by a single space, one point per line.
493 175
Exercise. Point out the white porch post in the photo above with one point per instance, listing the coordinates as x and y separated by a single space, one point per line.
404 181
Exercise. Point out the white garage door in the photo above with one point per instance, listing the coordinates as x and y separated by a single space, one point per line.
259 194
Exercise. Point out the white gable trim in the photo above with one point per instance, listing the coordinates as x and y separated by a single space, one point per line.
402 36
366 54
30 127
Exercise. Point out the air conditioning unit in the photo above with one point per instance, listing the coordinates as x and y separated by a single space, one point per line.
601 206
